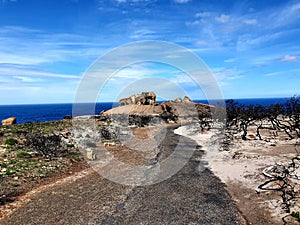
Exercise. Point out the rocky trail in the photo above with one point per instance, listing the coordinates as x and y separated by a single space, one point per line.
188 197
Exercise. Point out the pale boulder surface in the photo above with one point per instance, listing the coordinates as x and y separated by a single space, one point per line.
9 121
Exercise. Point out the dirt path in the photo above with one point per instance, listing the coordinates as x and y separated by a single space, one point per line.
188 197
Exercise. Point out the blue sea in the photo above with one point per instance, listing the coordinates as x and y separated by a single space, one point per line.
50 112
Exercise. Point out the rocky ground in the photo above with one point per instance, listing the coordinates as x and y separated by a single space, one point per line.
247 164
241 168
108 169
189 197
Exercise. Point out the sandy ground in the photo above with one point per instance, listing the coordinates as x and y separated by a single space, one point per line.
241 169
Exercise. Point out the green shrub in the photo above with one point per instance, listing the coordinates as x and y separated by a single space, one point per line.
70 145
296 215
11 141
22 154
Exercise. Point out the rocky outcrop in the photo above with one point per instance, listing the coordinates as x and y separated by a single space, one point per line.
145 98
142 110
186 99
180 100
9 121
177 100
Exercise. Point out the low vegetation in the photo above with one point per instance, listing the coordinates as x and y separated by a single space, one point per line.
34 153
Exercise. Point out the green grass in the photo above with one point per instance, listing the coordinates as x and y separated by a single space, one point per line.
11 141
70 145
22 154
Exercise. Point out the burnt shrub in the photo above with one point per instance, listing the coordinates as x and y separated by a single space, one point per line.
47 146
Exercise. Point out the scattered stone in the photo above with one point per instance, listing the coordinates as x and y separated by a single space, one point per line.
90 155
9 121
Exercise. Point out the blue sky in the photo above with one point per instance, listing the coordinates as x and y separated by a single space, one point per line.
251 47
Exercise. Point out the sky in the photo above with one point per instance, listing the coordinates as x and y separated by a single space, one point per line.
252 48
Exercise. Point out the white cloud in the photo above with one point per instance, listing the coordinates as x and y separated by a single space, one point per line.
250 21
182 1
28 79
288 15
21 73
289 58
283 73
138 71
222 18
195 22
143 34
7 1
230 60
131 1
224 75
25 46
203 14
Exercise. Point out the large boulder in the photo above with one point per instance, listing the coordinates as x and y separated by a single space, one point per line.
145 98
9 121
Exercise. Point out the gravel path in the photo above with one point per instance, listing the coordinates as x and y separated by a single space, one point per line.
188 197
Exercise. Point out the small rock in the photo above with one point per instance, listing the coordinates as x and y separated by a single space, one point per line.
90 154
9 121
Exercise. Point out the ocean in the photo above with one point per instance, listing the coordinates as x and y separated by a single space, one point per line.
50 112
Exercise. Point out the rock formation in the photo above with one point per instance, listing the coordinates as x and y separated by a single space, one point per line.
145 98
142 110
186 99
177 100
9 121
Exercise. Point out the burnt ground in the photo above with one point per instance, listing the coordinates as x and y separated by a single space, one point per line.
188 197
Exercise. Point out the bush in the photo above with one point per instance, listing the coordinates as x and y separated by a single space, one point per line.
11 141
47 146
296 215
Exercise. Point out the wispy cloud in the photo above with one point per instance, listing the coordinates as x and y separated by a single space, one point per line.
21 73
182 1
225 75
132 1
250 21
289 58
30 47
230 60
283 73
222 18
28 79
144 34
287 15
203 14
